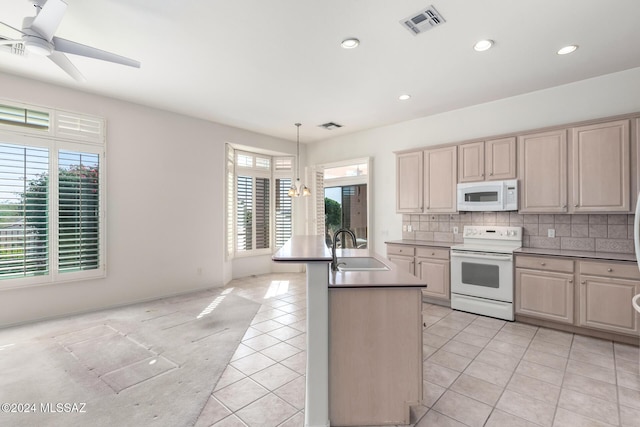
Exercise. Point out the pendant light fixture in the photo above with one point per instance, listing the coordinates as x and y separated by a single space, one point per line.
298 189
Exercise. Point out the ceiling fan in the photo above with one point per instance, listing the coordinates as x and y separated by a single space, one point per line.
38 38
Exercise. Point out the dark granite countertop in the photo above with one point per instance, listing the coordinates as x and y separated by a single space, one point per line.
612 256
422 243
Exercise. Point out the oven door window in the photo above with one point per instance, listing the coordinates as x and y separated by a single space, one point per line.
485 275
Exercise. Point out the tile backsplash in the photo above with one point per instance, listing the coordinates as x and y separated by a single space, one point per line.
602 233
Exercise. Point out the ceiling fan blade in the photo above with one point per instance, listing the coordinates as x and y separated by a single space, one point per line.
67 46
48 19
12 28
61 60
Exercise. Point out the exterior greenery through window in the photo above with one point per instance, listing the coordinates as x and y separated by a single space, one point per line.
51 198
259 210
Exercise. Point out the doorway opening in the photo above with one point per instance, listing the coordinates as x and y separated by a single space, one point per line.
346 202
346 207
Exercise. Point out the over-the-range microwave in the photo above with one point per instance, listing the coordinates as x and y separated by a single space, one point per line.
488 196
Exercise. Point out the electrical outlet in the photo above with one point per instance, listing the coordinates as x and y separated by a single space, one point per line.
455 230
404 227
551 232
409 228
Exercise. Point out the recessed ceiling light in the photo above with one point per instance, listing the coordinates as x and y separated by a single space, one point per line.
568 49
404 97
350 43
483 45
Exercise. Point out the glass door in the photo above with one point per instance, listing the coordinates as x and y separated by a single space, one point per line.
346 207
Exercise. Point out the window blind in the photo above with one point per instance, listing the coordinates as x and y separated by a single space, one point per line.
320 213
230 198
24 211
262 213
25 117
78 211
283 211
244 213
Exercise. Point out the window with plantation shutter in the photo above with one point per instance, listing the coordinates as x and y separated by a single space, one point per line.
24 117
24 211
259 210
230 193
319 202
262 213
78 211
283 211
51 197
244 214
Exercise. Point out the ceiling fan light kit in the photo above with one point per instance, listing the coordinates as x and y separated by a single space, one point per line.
38 38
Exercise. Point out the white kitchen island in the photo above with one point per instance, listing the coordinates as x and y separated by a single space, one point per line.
364 339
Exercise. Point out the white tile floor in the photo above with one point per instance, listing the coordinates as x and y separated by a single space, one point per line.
478 371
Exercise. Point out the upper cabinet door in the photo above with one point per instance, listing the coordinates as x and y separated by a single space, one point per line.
471 162
409 180
543 172
500 158
440 179
600 167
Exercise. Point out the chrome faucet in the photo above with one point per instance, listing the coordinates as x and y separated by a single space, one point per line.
334 263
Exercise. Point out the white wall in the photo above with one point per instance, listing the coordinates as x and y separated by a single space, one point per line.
608 95
165 204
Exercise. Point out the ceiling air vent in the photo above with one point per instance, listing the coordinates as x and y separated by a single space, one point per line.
330 126
423 20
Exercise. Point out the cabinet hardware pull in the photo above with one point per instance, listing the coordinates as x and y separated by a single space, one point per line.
564 207
570 281
583 282
609 270
543 263
575 206
491 174
433 253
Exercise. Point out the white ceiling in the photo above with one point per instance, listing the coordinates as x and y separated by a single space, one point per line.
264 65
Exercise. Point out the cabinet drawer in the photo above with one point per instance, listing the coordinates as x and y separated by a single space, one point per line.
610 269
431 252
401 250
545 264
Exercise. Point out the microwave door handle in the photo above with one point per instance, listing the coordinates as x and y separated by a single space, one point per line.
487 257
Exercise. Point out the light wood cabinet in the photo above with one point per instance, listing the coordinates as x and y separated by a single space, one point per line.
375 357
440 180
430 264
432 267
545 288
487 160
605 293
600 177
543 172
409 182
402 256
405 263
595 295
471 162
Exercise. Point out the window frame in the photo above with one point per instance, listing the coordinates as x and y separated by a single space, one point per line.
55 142
272 174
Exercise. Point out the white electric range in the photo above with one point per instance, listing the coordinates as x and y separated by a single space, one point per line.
482 270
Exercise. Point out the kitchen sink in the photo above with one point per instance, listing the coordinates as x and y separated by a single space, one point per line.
360 264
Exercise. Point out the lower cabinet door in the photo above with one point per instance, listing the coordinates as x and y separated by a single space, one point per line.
544 295
435 273
404 262
605 303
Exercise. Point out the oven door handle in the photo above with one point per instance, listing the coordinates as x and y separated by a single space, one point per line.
487 257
